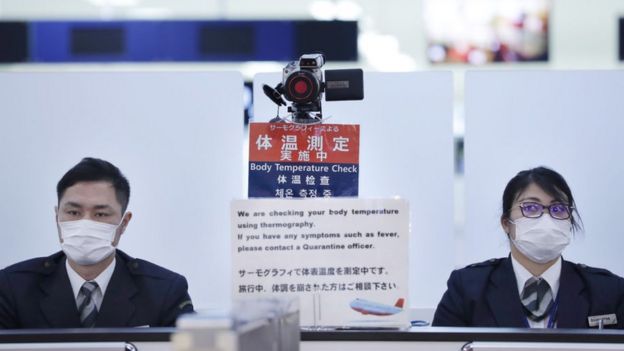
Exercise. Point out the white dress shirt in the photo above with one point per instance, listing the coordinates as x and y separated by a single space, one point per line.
551 275
102 281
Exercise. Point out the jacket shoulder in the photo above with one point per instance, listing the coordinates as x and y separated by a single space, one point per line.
488 264
605 288
594 270
137 266
477 274
595 273
35 265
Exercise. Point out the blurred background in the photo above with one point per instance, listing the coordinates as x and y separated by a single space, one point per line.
261 36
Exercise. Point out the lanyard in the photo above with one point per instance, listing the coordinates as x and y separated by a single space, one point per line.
552 316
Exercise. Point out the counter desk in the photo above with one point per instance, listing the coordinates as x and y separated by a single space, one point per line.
420 338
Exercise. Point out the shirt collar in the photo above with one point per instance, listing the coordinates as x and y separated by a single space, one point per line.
102 280
551 275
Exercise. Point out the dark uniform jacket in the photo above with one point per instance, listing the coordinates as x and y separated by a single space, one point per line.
37 294
486 295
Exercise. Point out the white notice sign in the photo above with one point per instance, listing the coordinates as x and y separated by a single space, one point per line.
346 259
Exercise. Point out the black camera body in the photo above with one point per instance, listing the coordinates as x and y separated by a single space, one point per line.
304 83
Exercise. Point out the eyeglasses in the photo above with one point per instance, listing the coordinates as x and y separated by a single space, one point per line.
536 210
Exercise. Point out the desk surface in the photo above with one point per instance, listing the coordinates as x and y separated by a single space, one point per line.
470 334
414 334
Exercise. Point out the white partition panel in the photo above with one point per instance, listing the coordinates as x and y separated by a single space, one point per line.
406 150
571 121
177 136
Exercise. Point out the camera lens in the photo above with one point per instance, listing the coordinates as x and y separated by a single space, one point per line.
302 87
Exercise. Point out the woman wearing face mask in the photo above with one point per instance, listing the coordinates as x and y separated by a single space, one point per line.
534 287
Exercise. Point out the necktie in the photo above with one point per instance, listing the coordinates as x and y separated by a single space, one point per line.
86 304
537 298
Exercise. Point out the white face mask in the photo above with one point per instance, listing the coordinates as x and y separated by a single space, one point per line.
542 239
87 242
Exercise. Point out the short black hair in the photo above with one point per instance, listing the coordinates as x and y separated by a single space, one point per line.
548 180
95 170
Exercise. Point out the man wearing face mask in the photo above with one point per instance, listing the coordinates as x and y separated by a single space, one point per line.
534 287
90 283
